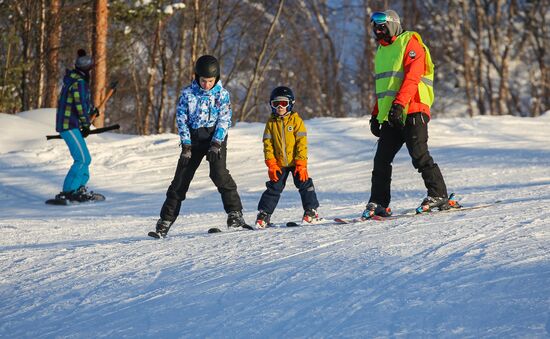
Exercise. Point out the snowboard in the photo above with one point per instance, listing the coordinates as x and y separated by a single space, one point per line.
66 202
413 214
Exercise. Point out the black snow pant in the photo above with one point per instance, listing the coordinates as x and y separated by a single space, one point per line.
415 136
271 196
184 174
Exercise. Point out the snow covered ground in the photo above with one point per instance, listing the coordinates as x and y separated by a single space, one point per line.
91 271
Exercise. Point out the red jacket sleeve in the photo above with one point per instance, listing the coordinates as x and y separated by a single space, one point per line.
413 64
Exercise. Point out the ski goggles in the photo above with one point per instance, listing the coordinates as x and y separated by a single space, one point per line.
380 18
277 103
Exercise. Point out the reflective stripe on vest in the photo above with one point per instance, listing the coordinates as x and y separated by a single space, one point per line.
389 74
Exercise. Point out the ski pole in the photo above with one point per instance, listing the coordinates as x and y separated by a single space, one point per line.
110 92
94 131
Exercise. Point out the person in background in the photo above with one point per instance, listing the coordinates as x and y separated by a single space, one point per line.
404 75
203 116
74 112
285 152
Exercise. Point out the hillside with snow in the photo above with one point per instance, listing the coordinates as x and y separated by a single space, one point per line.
90 270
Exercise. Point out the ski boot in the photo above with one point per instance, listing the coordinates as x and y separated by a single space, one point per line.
235 219
310 216
441 203
162 228
262 220
83 195
453 202
373 209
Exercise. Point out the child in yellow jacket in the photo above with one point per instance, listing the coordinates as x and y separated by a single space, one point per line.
285 151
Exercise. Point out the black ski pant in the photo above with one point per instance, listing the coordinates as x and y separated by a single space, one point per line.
184 174
415 136
270 198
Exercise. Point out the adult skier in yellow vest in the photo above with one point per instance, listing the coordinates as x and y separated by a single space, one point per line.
404 91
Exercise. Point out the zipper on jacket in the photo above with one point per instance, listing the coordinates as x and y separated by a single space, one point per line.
283 141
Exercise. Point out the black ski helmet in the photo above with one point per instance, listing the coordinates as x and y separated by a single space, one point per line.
207 66
279 92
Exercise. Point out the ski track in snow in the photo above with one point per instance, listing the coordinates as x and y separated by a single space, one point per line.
91 271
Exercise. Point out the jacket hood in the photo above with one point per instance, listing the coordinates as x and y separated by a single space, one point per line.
71 76
394 27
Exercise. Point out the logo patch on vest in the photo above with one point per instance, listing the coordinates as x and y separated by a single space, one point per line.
412 54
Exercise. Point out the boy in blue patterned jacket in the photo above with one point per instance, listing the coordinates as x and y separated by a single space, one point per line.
74 108
203 116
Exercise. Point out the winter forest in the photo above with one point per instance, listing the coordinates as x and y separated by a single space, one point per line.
490 56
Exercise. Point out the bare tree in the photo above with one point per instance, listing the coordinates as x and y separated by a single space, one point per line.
258 65
41 46
52 52
101 25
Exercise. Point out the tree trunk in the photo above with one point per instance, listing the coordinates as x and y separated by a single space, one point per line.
52 53
41 55
467 62
152 76
195 43
100 57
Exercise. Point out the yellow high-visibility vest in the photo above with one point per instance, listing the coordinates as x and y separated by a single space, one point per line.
389 74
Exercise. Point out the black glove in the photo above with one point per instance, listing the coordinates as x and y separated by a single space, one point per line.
185 155
85 131
395 116
95 112
214 152
375 126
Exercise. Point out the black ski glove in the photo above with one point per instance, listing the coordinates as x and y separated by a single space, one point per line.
95 113
85 131
375 126
185 155
395 116
214 152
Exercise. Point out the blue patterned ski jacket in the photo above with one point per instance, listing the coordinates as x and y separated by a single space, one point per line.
75 104
200 108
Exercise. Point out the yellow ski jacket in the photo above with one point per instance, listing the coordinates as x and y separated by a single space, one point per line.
285 139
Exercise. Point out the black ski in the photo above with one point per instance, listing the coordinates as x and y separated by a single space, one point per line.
244 227
154 234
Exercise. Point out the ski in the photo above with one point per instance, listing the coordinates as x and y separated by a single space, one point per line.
290 224
235 229
154 234
412 214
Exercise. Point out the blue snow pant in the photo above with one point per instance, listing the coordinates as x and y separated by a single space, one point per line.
79 172
271 196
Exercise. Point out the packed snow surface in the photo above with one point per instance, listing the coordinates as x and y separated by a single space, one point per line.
90 270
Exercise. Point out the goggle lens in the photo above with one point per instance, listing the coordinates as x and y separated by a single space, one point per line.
277 103
379 18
